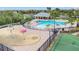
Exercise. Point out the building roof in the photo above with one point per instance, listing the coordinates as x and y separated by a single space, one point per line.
42 14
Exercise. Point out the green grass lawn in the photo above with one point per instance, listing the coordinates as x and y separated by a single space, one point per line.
66 42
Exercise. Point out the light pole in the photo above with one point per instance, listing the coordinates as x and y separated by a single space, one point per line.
54 25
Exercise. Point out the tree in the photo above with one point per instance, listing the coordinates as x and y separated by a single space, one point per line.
57 9
54 14
17 17
26 19
48 9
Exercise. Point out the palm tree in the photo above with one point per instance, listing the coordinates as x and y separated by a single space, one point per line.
71 20
72 17
54 14
49 11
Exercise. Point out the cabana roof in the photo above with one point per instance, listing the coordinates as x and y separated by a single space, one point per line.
42 14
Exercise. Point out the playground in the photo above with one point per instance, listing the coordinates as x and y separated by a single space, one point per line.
19 38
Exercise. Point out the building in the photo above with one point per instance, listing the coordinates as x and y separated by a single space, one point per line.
42 15
63 16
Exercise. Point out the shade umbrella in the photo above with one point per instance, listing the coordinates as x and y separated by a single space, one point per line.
23 30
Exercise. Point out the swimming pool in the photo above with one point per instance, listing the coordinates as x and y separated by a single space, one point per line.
51 22
45 24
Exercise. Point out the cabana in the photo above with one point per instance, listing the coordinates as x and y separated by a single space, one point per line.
42 15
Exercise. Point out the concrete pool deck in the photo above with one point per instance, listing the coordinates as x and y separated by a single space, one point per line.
43 36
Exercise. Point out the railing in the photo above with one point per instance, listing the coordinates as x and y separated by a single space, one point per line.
48 42
55 41
5 48
3 26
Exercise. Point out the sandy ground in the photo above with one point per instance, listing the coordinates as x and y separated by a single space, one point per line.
30 40
15 37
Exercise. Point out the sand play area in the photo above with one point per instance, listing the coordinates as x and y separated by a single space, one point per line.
13 36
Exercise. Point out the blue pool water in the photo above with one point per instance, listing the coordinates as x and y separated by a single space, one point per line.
43 23
51 22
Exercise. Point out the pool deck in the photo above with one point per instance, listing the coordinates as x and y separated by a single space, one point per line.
44 35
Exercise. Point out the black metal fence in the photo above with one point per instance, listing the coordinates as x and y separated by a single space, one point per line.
5 48
47 43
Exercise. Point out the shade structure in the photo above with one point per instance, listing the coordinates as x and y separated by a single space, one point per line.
23 30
